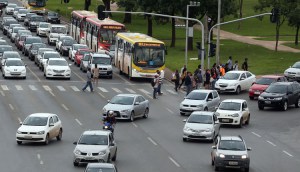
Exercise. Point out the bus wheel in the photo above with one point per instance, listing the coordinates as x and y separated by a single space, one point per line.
120 68
130 78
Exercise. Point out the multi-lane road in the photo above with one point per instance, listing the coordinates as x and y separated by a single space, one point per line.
145 145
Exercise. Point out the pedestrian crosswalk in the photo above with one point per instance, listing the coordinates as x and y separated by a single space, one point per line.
74 88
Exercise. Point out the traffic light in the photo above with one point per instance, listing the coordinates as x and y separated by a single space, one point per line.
66 1
87 4
212 49
101 14
275 15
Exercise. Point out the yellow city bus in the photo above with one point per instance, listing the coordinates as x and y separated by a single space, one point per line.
36 6
139 55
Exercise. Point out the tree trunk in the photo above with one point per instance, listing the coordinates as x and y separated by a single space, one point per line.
149 17
86 5
277 35
127 16
107 6
173 33
297 34
205 28
241 12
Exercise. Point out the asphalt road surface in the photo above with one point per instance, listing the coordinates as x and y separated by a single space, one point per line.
145 145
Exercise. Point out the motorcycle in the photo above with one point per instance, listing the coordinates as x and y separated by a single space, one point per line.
108 126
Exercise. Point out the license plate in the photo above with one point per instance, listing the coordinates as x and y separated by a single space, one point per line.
103 72
257 92
28 137
267 102
225 120
222 88
233 163
89 158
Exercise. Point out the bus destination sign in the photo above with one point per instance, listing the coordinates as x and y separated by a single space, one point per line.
112 27
146 44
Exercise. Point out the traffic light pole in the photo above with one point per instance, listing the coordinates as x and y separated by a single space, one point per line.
232 21
176 17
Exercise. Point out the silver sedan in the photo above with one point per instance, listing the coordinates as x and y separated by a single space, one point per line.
127 106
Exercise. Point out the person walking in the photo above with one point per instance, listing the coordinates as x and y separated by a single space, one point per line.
95 72
88 81
155 86
222 70
207 79
245 65
176 80
226 68
159 82
188 83
213 74
198 77
229 62
182 77
236 65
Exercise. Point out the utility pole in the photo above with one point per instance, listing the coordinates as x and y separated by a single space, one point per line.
218 33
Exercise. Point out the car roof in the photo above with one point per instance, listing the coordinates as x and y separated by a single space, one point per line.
203 91
96 132
51 52
84 49
234 100
44 23
236 71
105 165
237 138
41 114
14 59
282 83
10 52
57 25
101 55
128 95
5 46
203 113
272 76
61 59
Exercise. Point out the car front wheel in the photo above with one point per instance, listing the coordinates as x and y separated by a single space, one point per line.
59 136
297 104
132 116
19 142
146 113
238 90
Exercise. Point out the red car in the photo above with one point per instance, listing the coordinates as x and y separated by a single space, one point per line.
263 83
79 55
20 42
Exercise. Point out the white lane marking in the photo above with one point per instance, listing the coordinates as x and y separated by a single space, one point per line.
256 134
287 153
78 76
170 110
74 88
122 79
11 106
32 87
171 91
174 162
41 162
19 119
78 121
116 90
134 124
4 87
152 141
130 90
51 93
64 106
2 93
19 87
271 143
61 88
102 89
144 91
33 74
101 95
38 156
46 87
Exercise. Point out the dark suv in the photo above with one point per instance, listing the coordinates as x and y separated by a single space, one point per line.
230 152
280 94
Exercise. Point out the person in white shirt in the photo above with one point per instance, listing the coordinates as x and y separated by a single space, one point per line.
236 65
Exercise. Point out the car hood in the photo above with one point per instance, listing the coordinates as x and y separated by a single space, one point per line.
259 87
22 15
117 107
198 126
265 94
231 152
91 148
292 70
227 112
28 128
226 81
56 35
193 102
58 67
15 68
85 63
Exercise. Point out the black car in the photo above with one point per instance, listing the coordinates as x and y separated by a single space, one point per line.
66 45
27 17
28 42
34 49
53 17
34 21
6 24
280 94
3 3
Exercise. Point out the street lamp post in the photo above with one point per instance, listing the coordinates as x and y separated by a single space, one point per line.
187 30
218 33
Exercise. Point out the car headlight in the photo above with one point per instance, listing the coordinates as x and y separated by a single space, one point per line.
217 114
209 130
244 156
199 106
233 84
235 115
222 156
78 152
19 132
24 70
260 98
68 70
51 36
49 70
126 110
278 98
40 132
102 152
250 89
187 129
298 73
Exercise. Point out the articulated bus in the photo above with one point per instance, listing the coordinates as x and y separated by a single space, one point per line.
78 20
139 55
101 33
36 6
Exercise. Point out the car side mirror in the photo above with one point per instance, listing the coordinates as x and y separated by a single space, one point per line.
51 125
209 99
217 122
242 78
136 103
216 108
21 123
249 149
108 101
214 147
74 143
184 120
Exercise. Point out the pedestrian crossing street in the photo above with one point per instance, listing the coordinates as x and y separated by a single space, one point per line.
74 88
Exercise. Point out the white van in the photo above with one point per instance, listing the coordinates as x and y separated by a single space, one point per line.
54 32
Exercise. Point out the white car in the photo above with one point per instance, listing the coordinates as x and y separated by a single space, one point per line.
9 54
95 146
10 8
200 100
235 81
42 29
14 68
201 126
47 55
74 48
14 33
54 32
38 57
293 72
60 40
16 11
21 14
10 28
39 127
57 68
233 112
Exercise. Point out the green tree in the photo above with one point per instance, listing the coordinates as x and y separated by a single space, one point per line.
285 8
294 21
148 6
129 5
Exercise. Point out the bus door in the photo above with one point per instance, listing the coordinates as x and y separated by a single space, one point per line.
95 39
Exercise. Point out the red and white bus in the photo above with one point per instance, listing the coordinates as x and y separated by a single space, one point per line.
78 22
101 33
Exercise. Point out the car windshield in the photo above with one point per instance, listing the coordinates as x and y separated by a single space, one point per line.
265 81
202 119
122 100
53 14
101 60
86 57
11 55
37 46
8 22
2 49
12 5
43 50
24 32
67 43
37 18
84 52
59 30
94 139
296 65
23 11
22 38
29 15
232 145
231 76
17 29
14 25
58 63
99 169
33 40
51 55
76 47
196 96
3 42
36 121
14 63
44 25
281 89
234 106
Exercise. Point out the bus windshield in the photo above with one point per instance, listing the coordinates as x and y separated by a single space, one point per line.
108 36
37 3
151 57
